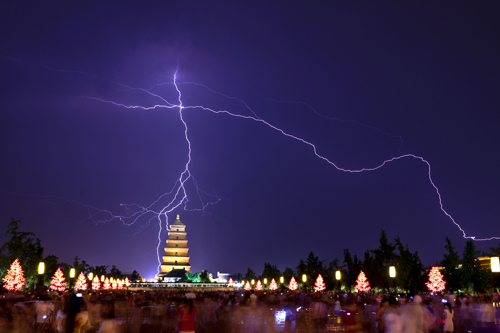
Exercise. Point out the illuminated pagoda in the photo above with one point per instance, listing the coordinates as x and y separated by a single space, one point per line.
176 259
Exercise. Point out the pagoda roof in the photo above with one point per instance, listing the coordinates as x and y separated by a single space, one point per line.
178 221
175 273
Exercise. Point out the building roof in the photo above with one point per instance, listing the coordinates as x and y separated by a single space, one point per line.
178 221
175 273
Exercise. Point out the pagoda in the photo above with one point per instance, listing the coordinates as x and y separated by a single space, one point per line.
176 253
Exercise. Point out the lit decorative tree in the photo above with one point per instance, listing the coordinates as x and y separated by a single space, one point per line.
230 282
258 286
273 286
114 284
120 284
58 281
15 277
96 284
81 282
247 286
362 283
106 284
436 282
293 285
127 281
319 285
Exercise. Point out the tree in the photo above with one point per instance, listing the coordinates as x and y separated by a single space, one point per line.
249 275
436 283
319 285
451 264
258 286
24 246
273 285
127 282
114 284
247 286
293 285
15 277
206 277
230 282
58 281
135 276
409 268
270 272
288 273
362 283
106 284
353 266
473 277
81 282
96 284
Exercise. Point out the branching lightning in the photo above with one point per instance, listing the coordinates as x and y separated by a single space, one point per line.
179 194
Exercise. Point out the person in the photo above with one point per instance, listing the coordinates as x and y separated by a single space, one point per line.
448 318
319 316
187 314
384 303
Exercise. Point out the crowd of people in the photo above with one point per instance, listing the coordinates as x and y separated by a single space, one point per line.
168 310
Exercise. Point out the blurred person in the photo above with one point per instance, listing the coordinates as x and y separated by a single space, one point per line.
448 318
384 303
109 323
412 316
319 315
187 314
488 315
392 318
429 319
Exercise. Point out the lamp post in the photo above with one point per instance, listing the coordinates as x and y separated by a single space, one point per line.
41 272
71 276
338 276
392 274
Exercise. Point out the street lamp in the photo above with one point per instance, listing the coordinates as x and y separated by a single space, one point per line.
304 280
495 264
282 280
41 271
338 277
392 273
72 273
91 275
102 278
253 282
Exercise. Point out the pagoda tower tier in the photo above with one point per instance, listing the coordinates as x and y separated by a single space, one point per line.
176 253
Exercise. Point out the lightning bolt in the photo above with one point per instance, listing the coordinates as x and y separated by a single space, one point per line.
179 193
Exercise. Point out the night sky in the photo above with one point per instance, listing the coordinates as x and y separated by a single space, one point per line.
362 81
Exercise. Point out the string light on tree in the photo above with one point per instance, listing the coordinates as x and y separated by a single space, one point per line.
96 284
247 286
436 282
114 284
120 284
127 281
81 282
362 283
230 282
15 277
259 286
106 284
58 282
273 286
319 285
293 285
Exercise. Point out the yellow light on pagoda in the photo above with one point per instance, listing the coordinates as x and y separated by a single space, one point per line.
495 264
41 268
282 279
337 275
304 278
72 273
102 278
91 276
265 280
392 272
253 282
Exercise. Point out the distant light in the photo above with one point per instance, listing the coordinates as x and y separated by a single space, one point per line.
41 268
91 275
282 279
265 280
253 282
102 278
337 275
392 272
72 273
304 278
495 265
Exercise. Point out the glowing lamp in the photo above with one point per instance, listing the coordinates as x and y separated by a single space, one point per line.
41 268
111 280
72 273
102 278
495 264
337 275
91 276
304 278
265 280
253 282
282 279
392 272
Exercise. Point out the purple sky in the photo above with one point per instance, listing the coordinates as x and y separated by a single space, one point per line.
352 79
